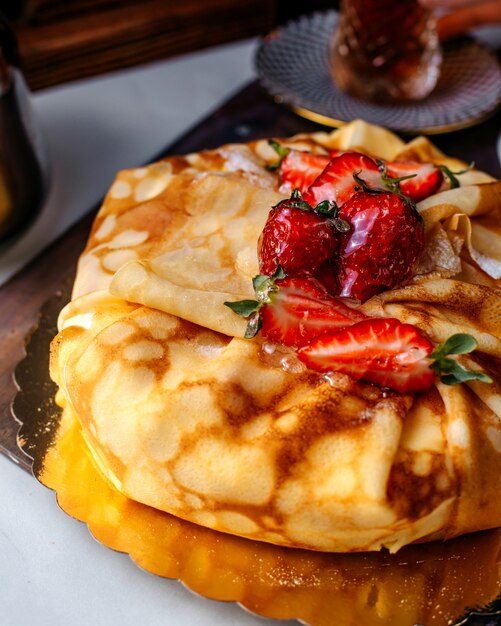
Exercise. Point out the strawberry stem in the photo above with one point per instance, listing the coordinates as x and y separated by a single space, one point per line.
296 201
392 182
282 152
453 181
363 186
264 287
329 209
449 370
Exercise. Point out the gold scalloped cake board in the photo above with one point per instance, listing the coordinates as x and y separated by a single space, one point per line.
429 584
432 584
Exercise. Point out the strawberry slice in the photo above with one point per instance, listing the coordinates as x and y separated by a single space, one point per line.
299 169
330 336
292 310
426 178
302 309
389 353
337 182
383 351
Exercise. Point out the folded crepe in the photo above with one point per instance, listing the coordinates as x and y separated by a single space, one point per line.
183 414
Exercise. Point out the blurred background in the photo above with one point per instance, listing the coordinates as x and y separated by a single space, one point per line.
64 40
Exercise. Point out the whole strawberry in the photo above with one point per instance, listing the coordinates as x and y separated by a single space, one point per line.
296 237
382 246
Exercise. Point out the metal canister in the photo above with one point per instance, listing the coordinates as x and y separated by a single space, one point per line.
23 166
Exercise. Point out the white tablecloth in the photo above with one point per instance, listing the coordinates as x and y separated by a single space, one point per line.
52 572
95 127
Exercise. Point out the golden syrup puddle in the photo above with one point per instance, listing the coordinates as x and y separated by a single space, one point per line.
432 583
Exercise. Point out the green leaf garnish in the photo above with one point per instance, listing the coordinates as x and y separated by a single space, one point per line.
453 181
450 371
244 308
461 343
282 152
264 287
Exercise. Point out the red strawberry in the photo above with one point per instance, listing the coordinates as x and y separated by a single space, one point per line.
383 351
380 250
327 276
337 184
299 169
301 309
426 182
297 238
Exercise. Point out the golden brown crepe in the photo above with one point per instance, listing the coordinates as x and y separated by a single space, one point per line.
184 415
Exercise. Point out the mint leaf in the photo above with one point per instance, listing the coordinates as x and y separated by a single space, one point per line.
463 376
450 371
460 343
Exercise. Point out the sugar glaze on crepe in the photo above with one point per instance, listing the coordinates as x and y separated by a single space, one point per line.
184 415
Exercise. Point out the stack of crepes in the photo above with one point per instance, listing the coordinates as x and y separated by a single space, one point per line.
183 414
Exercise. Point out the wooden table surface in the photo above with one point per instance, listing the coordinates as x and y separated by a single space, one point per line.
248 115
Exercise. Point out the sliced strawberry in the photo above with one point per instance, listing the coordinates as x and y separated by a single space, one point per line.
382 246
330 336
299 169
337 183
300 310
383 351
426 182
297 238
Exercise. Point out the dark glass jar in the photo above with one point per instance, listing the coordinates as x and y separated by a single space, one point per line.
386 50
22 162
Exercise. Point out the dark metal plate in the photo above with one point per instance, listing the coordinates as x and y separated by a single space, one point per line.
293 65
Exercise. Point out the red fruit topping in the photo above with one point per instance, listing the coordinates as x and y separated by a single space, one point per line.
297 238
337 184
383 351
426 182
300 310
327 276
330 336
386 238
299 169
